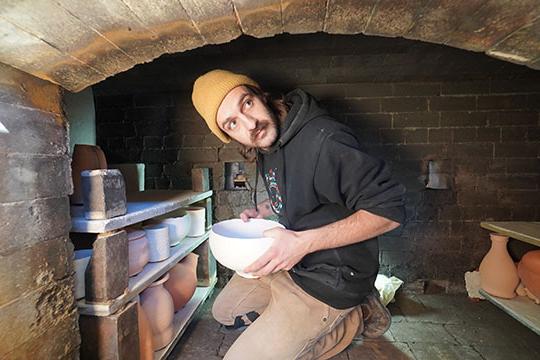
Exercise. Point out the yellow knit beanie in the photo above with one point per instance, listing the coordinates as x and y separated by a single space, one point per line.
209 91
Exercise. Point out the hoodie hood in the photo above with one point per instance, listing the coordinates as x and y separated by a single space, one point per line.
304 108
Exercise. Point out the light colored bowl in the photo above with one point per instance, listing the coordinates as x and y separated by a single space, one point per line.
158 242
237 244
178 228
198 221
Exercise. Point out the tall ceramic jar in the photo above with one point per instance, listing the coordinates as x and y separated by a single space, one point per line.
158 242
198 221
146 347
183 280
498 273
158 305
138 251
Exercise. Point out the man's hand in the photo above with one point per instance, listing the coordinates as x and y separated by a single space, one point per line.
287 249
264 210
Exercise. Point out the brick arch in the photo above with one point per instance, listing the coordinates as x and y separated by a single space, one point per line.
77 44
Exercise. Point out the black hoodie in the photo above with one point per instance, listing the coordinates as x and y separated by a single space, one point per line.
316 174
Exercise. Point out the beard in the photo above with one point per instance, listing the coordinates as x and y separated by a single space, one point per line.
265 133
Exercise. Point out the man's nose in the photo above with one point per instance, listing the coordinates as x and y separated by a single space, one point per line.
249 122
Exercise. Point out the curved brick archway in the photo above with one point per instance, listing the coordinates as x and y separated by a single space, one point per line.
77 44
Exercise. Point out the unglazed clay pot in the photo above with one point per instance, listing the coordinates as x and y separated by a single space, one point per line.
138 251
237 244
178 228
498 273
85 157
198 221
183 281
158 305
529 272
158 242
146 347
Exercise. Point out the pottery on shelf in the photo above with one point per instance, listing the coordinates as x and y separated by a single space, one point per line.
146 346
138 251
529 272
183 280
158 305
198 221
498 273
82 257
236 244
178 228
158 242
85 157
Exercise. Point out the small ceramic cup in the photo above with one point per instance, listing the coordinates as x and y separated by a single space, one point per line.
158 242
178 228
198 221
82 257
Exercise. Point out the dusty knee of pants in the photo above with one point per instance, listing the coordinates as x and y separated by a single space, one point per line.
221 311
228 314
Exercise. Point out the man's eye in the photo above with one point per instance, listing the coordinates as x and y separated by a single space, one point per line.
232 124
249 102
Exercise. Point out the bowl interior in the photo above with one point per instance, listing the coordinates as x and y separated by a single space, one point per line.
236 228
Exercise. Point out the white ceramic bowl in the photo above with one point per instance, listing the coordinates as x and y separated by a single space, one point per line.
158 242
178 228
237 244
198 221
82 257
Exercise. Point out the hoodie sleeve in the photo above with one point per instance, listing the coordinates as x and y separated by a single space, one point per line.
347 176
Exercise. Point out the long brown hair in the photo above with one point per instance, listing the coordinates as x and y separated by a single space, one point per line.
279 108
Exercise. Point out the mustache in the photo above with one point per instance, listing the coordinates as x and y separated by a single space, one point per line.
259 125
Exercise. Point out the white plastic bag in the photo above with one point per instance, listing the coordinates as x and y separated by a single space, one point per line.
387 287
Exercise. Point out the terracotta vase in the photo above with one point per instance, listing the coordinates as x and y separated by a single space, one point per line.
146 347
498 273
138 251
183 280
85 157
529 272
158 305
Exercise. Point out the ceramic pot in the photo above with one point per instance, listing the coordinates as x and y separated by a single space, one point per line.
178 228
498 273
198 221
236 244
85 157
158 305
183 281
138 251
146 347
529 272
82 257
158 242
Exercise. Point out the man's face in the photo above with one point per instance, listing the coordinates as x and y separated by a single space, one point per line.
246 118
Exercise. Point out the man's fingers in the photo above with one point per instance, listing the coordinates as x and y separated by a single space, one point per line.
268 269
260 262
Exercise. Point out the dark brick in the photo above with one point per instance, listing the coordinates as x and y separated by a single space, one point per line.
514 134
159 156
104 115
450 119
157 100
403 104
513 118
480 197
115 143
366 121
530 165
466 87
153 170
454 103
533 134
152 142
392 136
27 177
113 101
104 194
520 197
533 101
440 136
502 102
517 149
115 130
523 213
164 183
368 90
471 150
325 91
416 89
193 140
515 182
415 120
190 127
464 135
368 136
177 169
32 222
515 86
416 136
489 134
494 213
348 106
135 142
421 151
152 127
173 140
198 155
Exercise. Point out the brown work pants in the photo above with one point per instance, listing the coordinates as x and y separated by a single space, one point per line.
291 325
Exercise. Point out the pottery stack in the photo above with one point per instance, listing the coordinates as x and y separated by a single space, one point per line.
182 281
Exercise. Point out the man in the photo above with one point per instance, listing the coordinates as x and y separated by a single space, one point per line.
315 285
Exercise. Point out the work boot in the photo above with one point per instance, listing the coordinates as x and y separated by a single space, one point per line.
377 318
